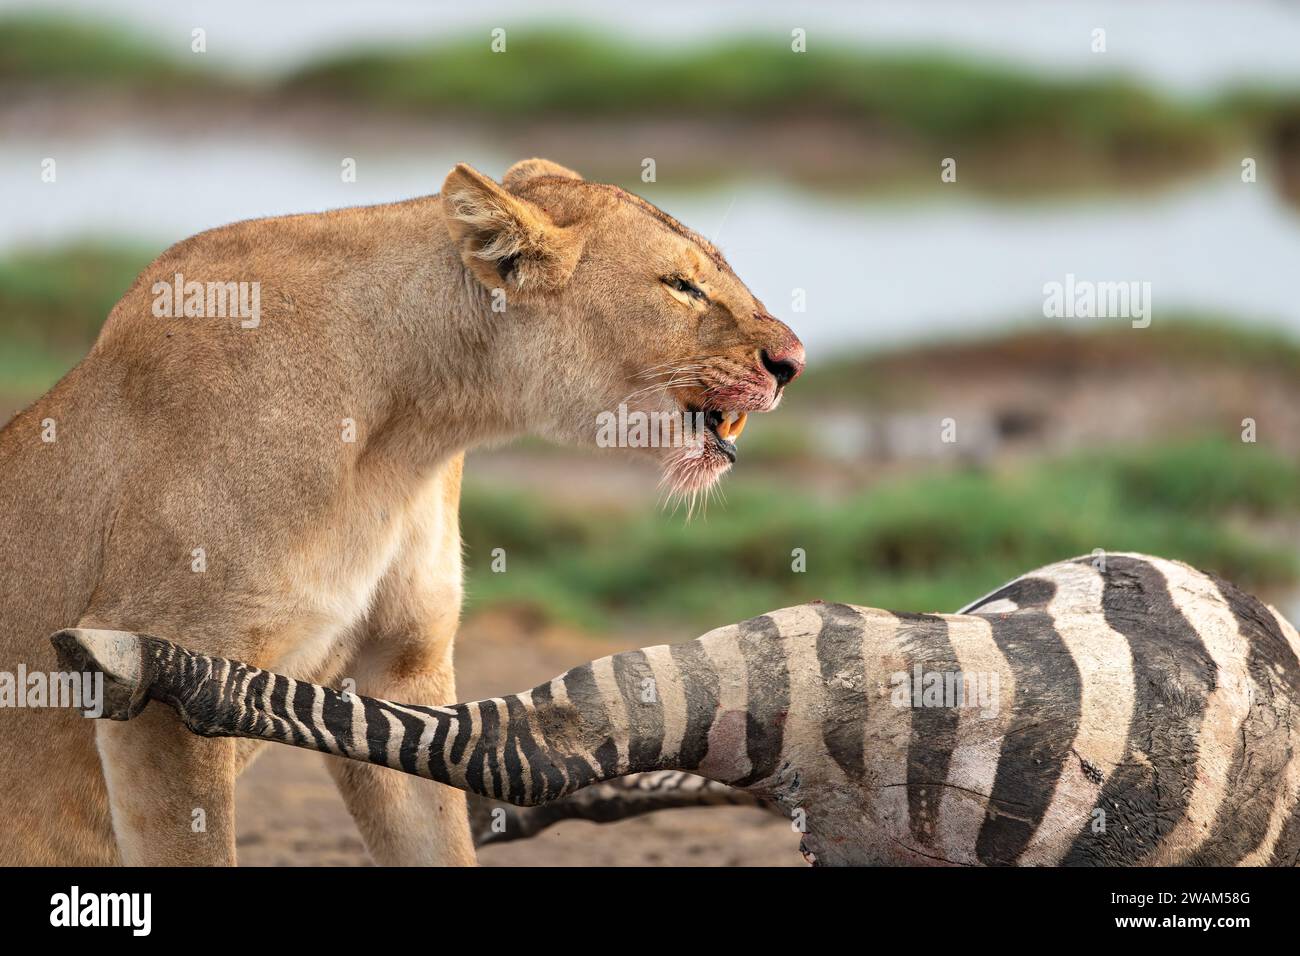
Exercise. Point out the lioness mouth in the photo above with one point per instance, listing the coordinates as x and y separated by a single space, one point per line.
726 428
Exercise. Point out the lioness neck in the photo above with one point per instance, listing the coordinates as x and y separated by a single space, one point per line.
371 330
451 372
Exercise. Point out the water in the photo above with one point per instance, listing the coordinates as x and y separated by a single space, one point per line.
872 270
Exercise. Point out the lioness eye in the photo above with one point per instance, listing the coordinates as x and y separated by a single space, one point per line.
682 285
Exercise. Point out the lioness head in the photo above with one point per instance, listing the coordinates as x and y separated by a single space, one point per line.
630 320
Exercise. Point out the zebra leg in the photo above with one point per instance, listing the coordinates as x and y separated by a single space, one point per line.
116 655
609 802
580 729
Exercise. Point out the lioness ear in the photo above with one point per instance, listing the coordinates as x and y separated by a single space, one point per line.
503 238
527 169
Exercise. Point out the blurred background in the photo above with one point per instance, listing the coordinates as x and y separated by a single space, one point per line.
1171 156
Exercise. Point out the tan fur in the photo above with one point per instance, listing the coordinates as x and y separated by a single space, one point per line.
326 559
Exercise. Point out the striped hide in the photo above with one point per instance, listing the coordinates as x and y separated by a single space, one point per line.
493 821
1136 713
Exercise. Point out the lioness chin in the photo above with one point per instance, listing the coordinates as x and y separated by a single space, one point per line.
284 491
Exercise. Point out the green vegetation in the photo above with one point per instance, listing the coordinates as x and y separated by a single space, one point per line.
926 544
927 96
53 303
40 48
931 97
60 297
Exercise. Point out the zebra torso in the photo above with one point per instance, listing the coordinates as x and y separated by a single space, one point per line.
1139 712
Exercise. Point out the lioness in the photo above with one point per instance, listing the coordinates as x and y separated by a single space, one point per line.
284 491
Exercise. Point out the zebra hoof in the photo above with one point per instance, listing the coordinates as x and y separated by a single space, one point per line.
116 655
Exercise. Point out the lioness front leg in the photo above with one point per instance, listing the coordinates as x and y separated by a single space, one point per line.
171 793
406 654
406 820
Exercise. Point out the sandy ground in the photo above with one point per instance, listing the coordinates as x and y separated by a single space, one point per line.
291 815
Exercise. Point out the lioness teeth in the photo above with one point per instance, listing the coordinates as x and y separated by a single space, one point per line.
738 425
732 424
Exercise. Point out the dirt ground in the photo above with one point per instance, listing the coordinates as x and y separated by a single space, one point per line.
291 815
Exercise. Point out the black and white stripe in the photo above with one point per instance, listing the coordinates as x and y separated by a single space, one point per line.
1145 715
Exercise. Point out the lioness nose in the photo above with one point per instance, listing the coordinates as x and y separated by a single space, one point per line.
786 365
